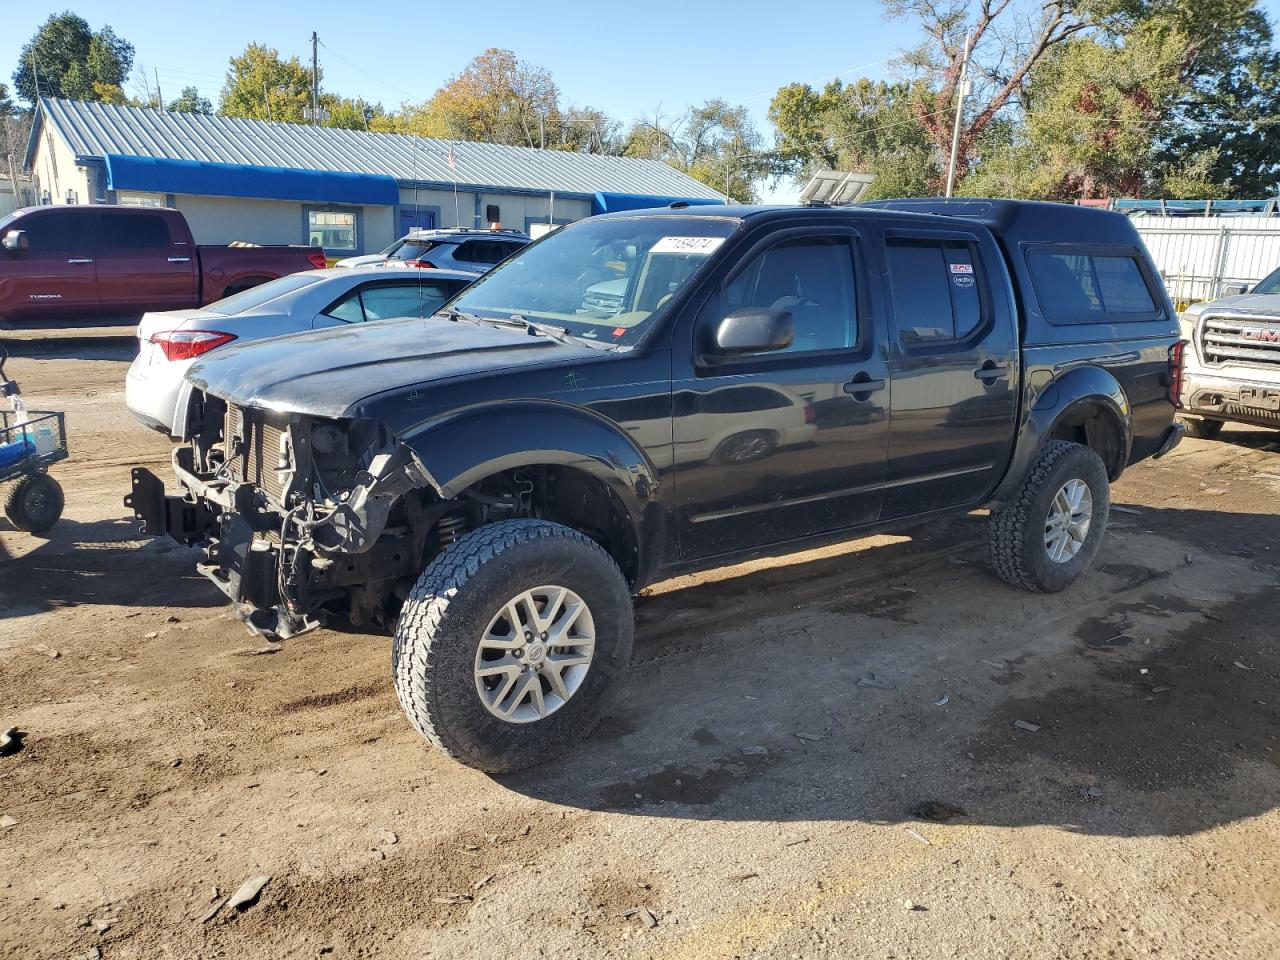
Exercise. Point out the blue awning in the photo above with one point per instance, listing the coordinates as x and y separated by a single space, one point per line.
613 202
159 175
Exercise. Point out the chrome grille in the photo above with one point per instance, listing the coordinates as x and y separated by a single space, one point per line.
260 447
1243 340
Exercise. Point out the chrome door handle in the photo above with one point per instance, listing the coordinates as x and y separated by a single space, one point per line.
79 260
179 259
863 388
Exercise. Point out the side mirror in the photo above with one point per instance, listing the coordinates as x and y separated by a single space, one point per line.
755 330
15 240
1234 289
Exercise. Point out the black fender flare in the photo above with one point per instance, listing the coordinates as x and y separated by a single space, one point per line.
460 450
1063 397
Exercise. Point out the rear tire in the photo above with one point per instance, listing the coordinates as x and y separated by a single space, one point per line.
1046 536
463 636
1202 428
34 503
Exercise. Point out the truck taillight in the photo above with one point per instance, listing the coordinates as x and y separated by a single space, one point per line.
317 259
188 344
1175 372
422 264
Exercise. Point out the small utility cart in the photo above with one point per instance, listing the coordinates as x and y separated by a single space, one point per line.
29 443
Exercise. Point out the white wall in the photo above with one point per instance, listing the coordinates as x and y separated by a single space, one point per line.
513 207
55 172
220 220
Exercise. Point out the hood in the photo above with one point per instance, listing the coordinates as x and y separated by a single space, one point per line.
1244 305
325 372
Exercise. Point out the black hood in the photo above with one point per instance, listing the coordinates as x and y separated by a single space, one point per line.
326 372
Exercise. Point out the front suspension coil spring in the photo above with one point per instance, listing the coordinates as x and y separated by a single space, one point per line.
450 528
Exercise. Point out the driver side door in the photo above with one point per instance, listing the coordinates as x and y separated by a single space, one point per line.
790 443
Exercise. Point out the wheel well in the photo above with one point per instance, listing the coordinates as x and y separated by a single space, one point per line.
571 497
1096 428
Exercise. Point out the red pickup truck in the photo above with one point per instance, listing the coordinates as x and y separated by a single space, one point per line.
79 262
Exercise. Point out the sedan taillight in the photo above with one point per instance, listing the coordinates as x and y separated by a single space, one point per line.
421 264
188 344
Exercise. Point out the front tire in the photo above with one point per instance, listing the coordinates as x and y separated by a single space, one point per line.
34 503
510 643
1046 536
1202 428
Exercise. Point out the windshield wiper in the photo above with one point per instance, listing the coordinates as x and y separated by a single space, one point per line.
555 333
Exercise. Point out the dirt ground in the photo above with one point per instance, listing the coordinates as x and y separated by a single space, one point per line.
747 796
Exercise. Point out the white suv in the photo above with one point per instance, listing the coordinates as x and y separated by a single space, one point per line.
474 251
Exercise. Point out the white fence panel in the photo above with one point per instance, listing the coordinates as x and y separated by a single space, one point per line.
1198 256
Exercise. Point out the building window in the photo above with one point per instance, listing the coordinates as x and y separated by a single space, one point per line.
334 230
139 199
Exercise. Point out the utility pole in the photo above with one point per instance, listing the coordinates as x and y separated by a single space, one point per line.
315 80
962 90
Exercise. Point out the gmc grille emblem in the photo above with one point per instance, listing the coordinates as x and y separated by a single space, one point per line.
1265 336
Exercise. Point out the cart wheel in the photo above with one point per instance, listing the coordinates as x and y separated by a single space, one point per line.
34 503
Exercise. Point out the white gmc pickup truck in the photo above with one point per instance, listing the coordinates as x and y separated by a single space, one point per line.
1231 364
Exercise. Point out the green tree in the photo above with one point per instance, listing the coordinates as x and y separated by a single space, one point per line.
714 143
261 85
190 101
6 103
73 61
867 126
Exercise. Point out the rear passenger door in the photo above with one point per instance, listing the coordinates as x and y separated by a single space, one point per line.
141 266
953 369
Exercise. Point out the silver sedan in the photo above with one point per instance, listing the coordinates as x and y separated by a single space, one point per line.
156 390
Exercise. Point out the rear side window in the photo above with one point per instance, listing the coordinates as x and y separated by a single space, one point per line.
386 301
133 231
1084 287
485 251
935 287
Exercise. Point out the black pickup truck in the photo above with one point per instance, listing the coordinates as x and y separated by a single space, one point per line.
494 483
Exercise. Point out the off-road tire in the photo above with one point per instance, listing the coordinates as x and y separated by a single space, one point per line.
433 654
34 503
1202 428
1015 532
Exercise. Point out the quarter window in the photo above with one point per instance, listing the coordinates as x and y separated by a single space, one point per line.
485 251
935 285
1080 287
812 277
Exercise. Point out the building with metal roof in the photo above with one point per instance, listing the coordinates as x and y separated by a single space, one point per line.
351 191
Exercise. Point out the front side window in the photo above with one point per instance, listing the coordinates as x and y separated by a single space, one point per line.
935 286
332 229
604 279
1084 287
53 232
133 231
812 278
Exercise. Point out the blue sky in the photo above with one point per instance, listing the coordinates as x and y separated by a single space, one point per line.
629 59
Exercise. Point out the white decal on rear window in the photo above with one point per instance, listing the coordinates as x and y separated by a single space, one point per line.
701 246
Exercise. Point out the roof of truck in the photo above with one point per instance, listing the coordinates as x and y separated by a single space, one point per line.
1015 220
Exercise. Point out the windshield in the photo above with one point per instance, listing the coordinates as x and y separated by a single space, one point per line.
255 297
1269 284
603 279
